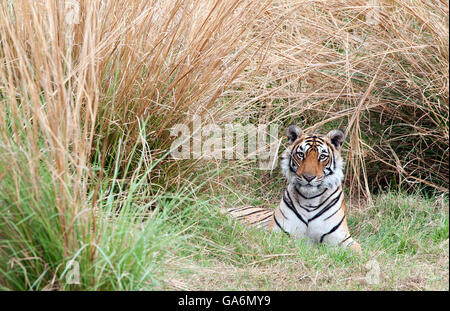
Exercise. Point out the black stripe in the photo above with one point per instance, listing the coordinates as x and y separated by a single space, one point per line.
261 220
279 226
314 208
240 208
293 150
282 213
291 159
326 208
318 141
290 166
332 230
267 219
337 210
305 208
313 197
263 224
329 162
340 243
292 207
251 213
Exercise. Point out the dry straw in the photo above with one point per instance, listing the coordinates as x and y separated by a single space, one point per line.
78 76
376 69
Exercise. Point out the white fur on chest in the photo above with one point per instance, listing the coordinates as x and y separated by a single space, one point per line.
316 210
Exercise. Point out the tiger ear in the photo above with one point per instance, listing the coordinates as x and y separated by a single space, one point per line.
293 132
337 138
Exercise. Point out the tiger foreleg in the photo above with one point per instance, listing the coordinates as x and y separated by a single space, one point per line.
345 240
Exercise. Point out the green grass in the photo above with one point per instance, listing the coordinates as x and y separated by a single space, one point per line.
121 244
183 240
406 235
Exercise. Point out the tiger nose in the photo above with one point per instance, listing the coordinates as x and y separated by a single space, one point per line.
308 177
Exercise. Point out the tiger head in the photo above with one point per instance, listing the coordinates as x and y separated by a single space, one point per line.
313 160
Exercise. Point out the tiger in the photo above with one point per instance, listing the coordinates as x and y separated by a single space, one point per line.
312 206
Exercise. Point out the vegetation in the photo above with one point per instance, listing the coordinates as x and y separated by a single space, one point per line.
89 91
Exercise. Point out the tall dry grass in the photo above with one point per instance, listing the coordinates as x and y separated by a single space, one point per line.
376 69
78 79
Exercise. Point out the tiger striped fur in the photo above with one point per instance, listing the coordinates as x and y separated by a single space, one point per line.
313 204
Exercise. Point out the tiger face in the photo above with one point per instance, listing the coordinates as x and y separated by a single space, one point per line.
313 160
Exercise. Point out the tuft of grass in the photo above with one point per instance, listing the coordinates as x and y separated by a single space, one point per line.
409 224
124 245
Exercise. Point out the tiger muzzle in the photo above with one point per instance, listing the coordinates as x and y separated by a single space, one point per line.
308 178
